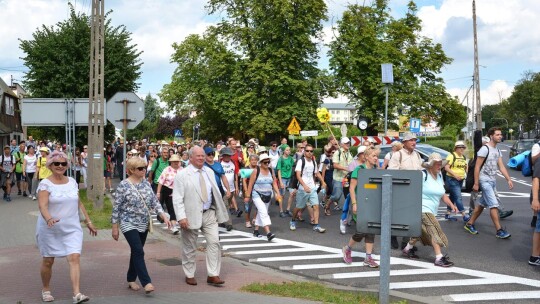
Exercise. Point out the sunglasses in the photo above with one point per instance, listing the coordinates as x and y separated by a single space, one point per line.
274 145
265 162
141 168
310 151
130 154
63 164
461 147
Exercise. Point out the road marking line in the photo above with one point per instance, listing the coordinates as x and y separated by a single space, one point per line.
305 257
270 251
372 274
448 283
267 244
329 265
230 240
487 296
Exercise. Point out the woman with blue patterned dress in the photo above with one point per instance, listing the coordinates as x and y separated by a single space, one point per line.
134 201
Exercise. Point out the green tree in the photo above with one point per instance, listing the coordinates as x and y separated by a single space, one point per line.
453 116
523 106
58 61
252 72
368 36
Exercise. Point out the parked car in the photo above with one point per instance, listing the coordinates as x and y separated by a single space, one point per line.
521 146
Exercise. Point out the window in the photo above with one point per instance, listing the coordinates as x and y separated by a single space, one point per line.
10 105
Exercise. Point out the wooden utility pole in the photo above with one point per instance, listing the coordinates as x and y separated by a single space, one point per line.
96 119
476 73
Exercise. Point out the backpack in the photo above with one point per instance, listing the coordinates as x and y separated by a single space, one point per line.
424 171
12 162
527 165
294 183
469 180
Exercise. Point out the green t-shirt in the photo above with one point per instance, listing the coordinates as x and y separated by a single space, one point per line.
18 157
354 174
285 165
158 166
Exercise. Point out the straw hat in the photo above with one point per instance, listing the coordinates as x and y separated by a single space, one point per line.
174 158
434 157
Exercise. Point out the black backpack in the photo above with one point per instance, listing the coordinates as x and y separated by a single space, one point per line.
294 183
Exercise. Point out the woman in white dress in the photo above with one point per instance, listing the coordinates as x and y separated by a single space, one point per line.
29 170
58 230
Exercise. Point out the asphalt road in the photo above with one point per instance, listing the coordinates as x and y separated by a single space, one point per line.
487 269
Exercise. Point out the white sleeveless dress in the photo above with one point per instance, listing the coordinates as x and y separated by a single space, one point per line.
66 236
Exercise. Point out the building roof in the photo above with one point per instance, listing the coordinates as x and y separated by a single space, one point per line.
5 88
337 106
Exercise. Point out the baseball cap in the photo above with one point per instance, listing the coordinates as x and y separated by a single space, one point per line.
208 150
409 136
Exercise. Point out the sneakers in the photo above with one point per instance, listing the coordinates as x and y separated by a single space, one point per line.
175 230
411 254
282 214
248 224
239 213
502 234
24 194
347 254
370 262
444 262
270 236
470 228
34 197
466 218
535 261
337 207
319 229
289 213
256 234
342 227
80 298
8 198
450 218
292 225
19 192
228 227
505 213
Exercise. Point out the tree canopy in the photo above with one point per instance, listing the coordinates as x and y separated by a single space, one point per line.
523 106
368 36
58 61
253 71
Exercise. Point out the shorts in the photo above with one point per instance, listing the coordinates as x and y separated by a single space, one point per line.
286 182
19 177
303 198
370 238
537 229
106 173
489 196
4 178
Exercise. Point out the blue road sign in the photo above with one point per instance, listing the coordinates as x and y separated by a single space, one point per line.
177 133
415 125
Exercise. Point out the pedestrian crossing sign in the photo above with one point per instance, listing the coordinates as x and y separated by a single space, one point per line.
294 127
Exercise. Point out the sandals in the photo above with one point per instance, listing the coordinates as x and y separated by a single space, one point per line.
148 288
248 224
46 296
134 286
80 298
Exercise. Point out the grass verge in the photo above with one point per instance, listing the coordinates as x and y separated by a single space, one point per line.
100 218
311 291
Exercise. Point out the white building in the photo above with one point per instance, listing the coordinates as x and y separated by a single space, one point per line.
341 113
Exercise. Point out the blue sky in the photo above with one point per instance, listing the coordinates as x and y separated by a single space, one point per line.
509 44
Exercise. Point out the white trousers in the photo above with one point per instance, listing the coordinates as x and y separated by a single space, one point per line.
263 219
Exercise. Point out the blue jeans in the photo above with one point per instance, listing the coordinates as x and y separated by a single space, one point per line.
337 191
454 186
137 266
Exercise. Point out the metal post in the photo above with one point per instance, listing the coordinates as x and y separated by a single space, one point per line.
386 222
386 112
125 102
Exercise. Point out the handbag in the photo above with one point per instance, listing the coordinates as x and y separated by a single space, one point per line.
150 221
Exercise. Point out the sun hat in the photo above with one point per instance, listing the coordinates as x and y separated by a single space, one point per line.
408 136
262 149
226 151
263 158
396 143
460 144
174 158
361 150
434 157
345 140
134 151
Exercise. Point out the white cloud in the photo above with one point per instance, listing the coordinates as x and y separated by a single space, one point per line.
493 94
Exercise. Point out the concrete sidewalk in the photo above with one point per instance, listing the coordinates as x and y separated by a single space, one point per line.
104 264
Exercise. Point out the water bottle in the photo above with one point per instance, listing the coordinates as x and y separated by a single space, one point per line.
323 191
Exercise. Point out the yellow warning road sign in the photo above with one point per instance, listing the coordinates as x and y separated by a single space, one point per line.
294 127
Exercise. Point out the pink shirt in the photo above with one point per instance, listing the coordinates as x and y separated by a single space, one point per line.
167 176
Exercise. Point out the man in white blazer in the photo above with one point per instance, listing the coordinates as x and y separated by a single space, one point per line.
198 205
